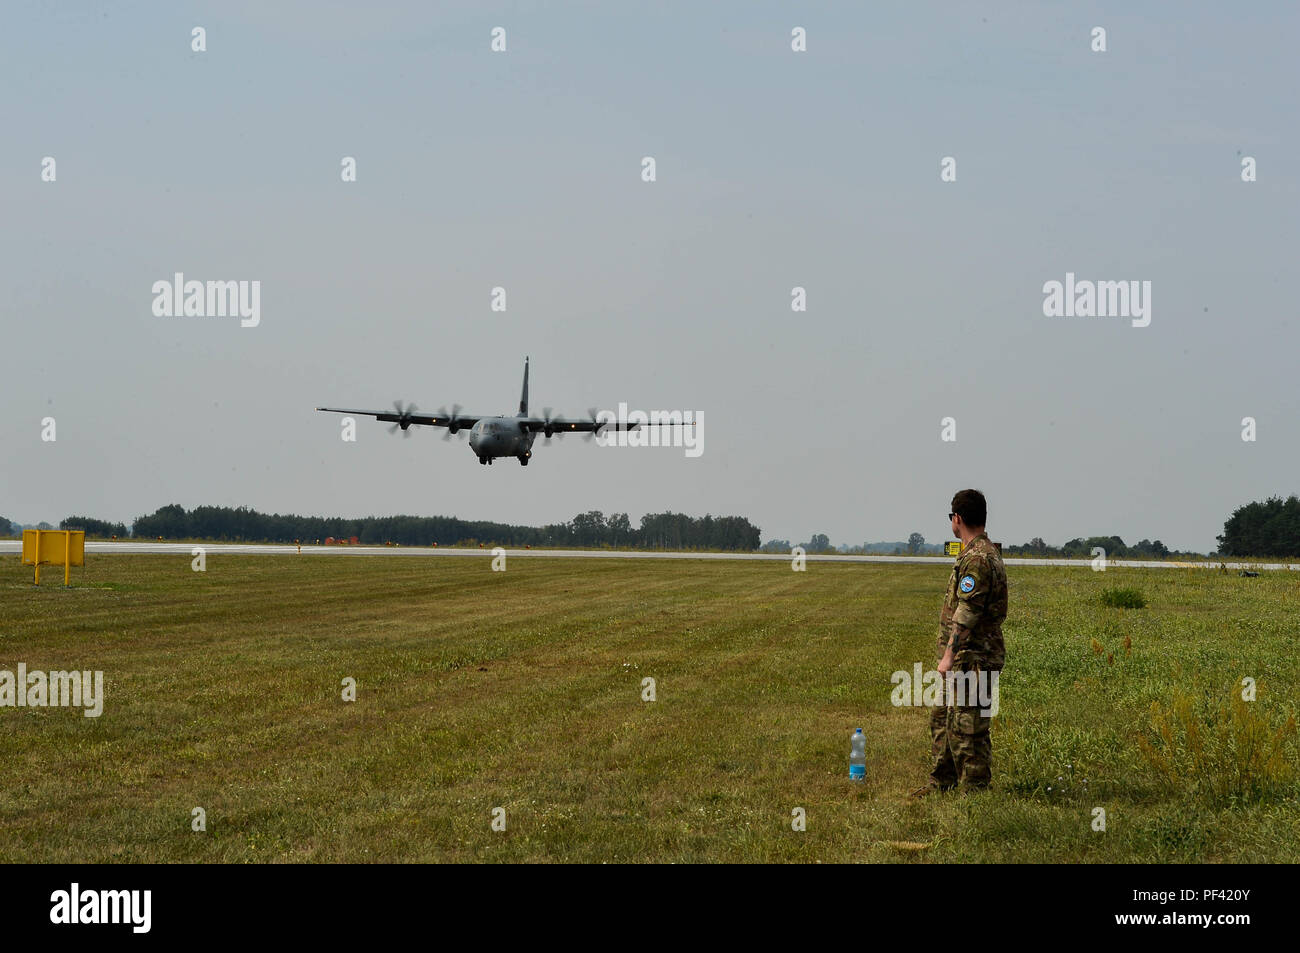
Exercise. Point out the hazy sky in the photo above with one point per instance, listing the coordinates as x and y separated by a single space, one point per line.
775 169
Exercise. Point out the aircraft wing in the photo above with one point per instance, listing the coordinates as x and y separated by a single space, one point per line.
463 421
560 425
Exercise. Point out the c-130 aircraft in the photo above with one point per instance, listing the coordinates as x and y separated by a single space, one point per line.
499 436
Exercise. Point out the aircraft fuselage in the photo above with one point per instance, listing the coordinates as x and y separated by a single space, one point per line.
500 437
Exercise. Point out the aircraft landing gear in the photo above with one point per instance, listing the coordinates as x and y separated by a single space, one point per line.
523 459
482 459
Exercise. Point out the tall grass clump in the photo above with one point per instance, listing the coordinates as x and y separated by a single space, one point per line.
1227 753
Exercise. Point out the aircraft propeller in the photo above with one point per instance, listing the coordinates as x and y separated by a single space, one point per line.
590 434
548 414
405 415
452 426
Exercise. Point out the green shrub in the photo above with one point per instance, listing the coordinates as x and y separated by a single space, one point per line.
1123 598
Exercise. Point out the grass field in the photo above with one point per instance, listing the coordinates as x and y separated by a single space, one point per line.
523 690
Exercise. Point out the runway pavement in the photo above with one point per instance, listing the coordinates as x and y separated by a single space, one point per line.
256 549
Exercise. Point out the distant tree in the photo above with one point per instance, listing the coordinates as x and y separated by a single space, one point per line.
619 528
1075 547
1268 528
1148 549
1113 545
914 543
664 531
819 543
6 527
94 527
589 528
171 522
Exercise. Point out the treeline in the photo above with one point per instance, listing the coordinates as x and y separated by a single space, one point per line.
657 530
93 527
1114 546
10 527
820 543
1270 528
678 531
1079 548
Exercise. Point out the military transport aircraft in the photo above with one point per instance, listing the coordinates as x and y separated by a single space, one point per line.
500 436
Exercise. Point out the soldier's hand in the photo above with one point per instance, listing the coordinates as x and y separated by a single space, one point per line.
945 663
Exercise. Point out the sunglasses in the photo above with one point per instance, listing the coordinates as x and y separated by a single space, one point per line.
951 515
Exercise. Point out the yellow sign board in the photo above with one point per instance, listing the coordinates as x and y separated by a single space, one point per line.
953 548
53 547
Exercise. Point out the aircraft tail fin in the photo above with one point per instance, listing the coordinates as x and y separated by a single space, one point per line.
523 398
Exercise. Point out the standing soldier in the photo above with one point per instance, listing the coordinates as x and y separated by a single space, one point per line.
970 640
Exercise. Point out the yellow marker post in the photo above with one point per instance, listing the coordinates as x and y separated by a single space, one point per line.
37 551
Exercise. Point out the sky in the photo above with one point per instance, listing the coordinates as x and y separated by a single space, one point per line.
774 169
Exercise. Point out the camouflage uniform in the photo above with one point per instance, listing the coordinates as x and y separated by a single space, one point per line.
976 599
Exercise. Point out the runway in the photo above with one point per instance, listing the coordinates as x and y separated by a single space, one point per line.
275 549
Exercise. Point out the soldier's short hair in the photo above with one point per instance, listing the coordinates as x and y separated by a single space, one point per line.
971 507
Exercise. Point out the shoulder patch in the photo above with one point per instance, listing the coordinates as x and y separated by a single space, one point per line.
967 583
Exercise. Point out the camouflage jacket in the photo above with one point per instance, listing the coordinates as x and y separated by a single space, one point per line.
976 599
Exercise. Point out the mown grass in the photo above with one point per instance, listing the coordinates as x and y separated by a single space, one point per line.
523 690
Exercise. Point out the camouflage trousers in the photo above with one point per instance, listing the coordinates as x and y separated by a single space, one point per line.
960 748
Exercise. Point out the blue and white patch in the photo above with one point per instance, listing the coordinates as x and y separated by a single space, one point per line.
967 583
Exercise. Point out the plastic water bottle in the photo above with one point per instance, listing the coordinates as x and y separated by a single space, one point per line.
858 757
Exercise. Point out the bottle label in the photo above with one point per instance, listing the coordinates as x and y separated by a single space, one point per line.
857 772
